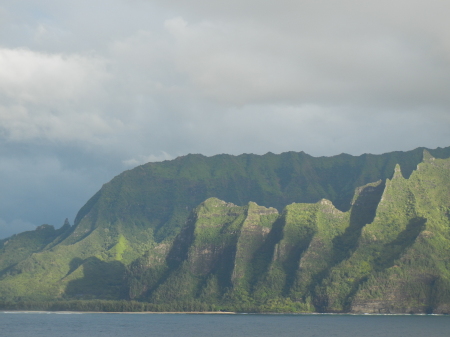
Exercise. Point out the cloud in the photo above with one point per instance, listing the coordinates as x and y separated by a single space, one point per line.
251 63
334 55
53 97
87 92
33 77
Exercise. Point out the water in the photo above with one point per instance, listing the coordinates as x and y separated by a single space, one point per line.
218 325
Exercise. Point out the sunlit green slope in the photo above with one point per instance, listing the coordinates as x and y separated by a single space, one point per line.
388 253
361 234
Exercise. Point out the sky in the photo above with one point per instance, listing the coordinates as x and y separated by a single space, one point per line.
89 89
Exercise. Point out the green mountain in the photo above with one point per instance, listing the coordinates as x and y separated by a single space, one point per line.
334 234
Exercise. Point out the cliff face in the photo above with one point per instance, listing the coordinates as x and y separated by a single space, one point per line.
409 244
388 253
215 252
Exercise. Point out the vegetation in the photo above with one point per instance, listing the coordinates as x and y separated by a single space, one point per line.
158 238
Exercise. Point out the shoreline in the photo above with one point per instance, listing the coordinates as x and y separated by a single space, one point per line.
118 312
208 313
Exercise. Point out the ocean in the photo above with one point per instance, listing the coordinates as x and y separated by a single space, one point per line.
25 324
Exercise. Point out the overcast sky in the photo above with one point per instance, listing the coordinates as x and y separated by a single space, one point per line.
89 89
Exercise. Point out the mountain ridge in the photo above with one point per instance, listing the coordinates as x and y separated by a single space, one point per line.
269 180
248 257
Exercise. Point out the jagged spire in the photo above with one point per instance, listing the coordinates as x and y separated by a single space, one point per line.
397 172
427 157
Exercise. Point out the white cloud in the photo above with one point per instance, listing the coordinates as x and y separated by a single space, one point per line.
53 96
33 77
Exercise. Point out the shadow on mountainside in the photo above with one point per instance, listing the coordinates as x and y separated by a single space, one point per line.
292 262
363 212
153 278
394 249
391 252
263 256
101 280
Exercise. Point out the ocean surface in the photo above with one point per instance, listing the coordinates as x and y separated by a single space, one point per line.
21 324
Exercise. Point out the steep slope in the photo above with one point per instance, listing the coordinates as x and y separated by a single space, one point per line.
250 258
92 267
212 256
144 237
157 197
21 246
304 240
388 253
402 260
